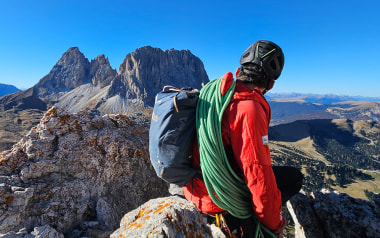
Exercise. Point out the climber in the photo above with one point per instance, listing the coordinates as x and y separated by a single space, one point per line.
244 127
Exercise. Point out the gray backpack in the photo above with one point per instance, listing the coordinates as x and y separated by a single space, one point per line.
172 133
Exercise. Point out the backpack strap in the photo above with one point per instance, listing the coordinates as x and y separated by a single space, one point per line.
169 88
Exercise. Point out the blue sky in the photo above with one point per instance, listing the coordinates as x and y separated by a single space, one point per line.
331 47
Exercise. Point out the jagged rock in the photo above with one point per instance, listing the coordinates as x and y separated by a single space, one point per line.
166 217
330 214
38 232
77 85
46 232
141 75
72 70
69 72
101 73
147 70
77 173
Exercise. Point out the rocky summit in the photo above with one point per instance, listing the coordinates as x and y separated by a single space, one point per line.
76 173
166 217
331 214
87 175
147 70
71 71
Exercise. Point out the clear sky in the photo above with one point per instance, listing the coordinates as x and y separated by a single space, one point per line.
330 46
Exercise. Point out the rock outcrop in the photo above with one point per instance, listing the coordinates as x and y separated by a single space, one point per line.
329 214
166 217
78 174
71 71
147 70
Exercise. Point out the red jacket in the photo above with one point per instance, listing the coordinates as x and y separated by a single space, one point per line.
245 128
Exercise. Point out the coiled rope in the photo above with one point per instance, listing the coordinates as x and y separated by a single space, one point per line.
226 189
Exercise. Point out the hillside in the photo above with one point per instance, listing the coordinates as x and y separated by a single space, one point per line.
319 98
331 153
290 110
7 89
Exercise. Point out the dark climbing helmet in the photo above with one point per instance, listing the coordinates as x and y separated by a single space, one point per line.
267 55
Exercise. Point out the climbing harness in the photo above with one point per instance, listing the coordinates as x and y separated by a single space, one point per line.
222 224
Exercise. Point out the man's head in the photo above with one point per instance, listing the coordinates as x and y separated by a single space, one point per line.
261 64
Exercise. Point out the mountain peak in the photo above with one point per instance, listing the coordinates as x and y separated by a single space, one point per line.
69 72
101 59
75 83
73 48
72 56
147 70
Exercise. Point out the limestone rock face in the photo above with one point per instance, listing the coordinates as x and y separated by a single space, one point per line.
69 72
166 217
329 214
78 174
147 70
141 75
72 70
101 72
75 84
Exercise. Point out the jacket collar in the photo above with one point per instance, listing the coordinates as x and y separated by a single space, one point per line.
242 92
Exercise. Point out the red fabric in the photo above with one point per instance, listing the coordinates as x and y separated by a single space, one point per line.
244 125
227 80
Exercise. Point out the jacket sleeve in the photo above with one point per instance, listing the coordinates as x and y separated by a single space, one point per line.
248 132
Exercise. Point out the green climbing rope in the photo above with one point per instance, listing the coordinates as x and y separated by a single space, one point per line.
227 190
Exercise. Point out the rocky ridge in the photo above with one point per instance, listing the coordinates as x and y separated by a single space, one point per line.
147 70
331 214
78 174
86 175
166 217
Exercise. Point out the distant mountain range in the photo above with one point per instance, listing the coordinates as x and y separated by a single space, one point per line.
7 89
318 98
331 153
306 129
285 109
76 84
